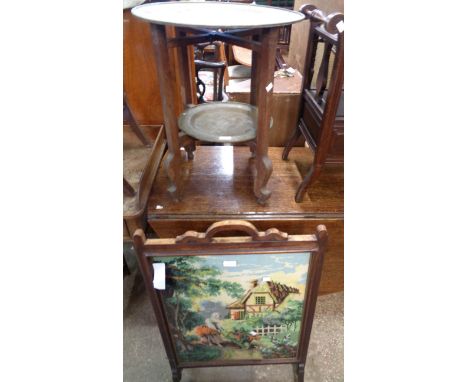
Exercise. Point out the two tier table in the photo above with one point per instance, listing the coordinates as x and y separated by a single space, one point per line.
246 25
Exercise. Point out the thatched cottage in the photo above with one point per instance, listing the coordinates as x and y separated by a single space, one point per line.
260 298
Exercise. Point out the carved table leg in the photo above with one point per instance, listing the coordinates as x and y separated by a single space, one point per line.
172 163
253 147
188 143
263 172
263 88
172 167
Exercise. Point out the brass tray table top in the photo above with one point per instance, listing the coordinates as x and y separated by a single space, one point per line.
215 15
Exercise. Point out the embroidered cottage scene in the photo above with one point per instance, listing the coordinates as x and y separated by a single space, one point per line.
263 297
252 310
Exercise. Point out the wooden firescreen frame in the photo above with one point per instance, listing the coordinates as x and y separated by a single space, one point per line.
270 242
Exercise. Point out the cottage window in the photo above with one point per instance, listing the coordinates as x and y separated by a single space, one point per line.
260 300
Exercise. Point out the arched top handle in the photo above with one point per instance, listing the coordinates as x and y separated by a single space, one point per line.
271 234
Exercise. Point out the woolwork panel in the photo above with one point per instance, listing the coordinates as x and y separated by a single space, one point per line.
249 311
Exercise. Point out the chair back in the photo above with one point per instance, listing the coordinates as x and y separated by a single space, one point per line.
325 50
323 96
210 57
321 119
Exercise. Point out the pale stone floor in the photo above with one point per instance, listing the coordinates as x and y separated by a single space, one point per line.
144 358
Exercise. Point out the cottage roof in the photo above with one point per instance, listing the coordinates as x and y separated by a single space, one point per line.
277 291
236 305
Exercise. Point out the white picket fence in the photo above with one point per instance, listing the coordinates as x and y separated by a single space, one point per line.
270 330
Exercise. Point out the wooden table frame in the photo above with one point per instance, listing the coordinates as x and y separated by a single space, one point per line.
262 42
194 243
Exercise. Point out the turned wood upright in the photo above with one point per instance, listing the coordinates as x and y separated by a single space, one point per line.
250 26
321 120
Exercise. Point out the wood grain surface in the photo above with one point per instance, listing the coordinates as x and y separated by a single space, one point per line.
217 186
141 82
299 31
285 104
139 169
218 182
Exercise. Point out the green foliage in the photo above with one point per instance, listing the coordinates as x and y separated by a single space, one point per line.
265 342
272 318
185 317
284 347
190 319
281 345
292 313
239 333
242 326
255 321
188 277
200 353
233 289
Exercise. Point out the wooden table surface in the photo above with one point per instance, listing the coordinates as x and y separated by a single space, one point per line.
217 183
217 186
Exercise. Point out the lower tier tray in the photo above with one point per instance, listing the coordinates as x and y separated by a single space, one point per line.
220 122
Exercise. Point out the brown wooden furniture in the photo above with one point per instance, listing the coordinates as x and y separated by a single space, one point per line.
210 57
188 345
321 119
141 164
242 55
217 69
141 82
260 36
285 104
130 118
285 31
218 188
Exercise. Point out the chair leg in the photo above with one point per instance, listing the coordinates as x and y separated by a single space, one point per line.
299 372
126 269
128 189
292 140
176 374
310 177
128 114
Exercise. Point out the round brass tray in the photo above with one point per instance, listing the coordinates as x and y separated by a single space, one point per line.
222 122
215 14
